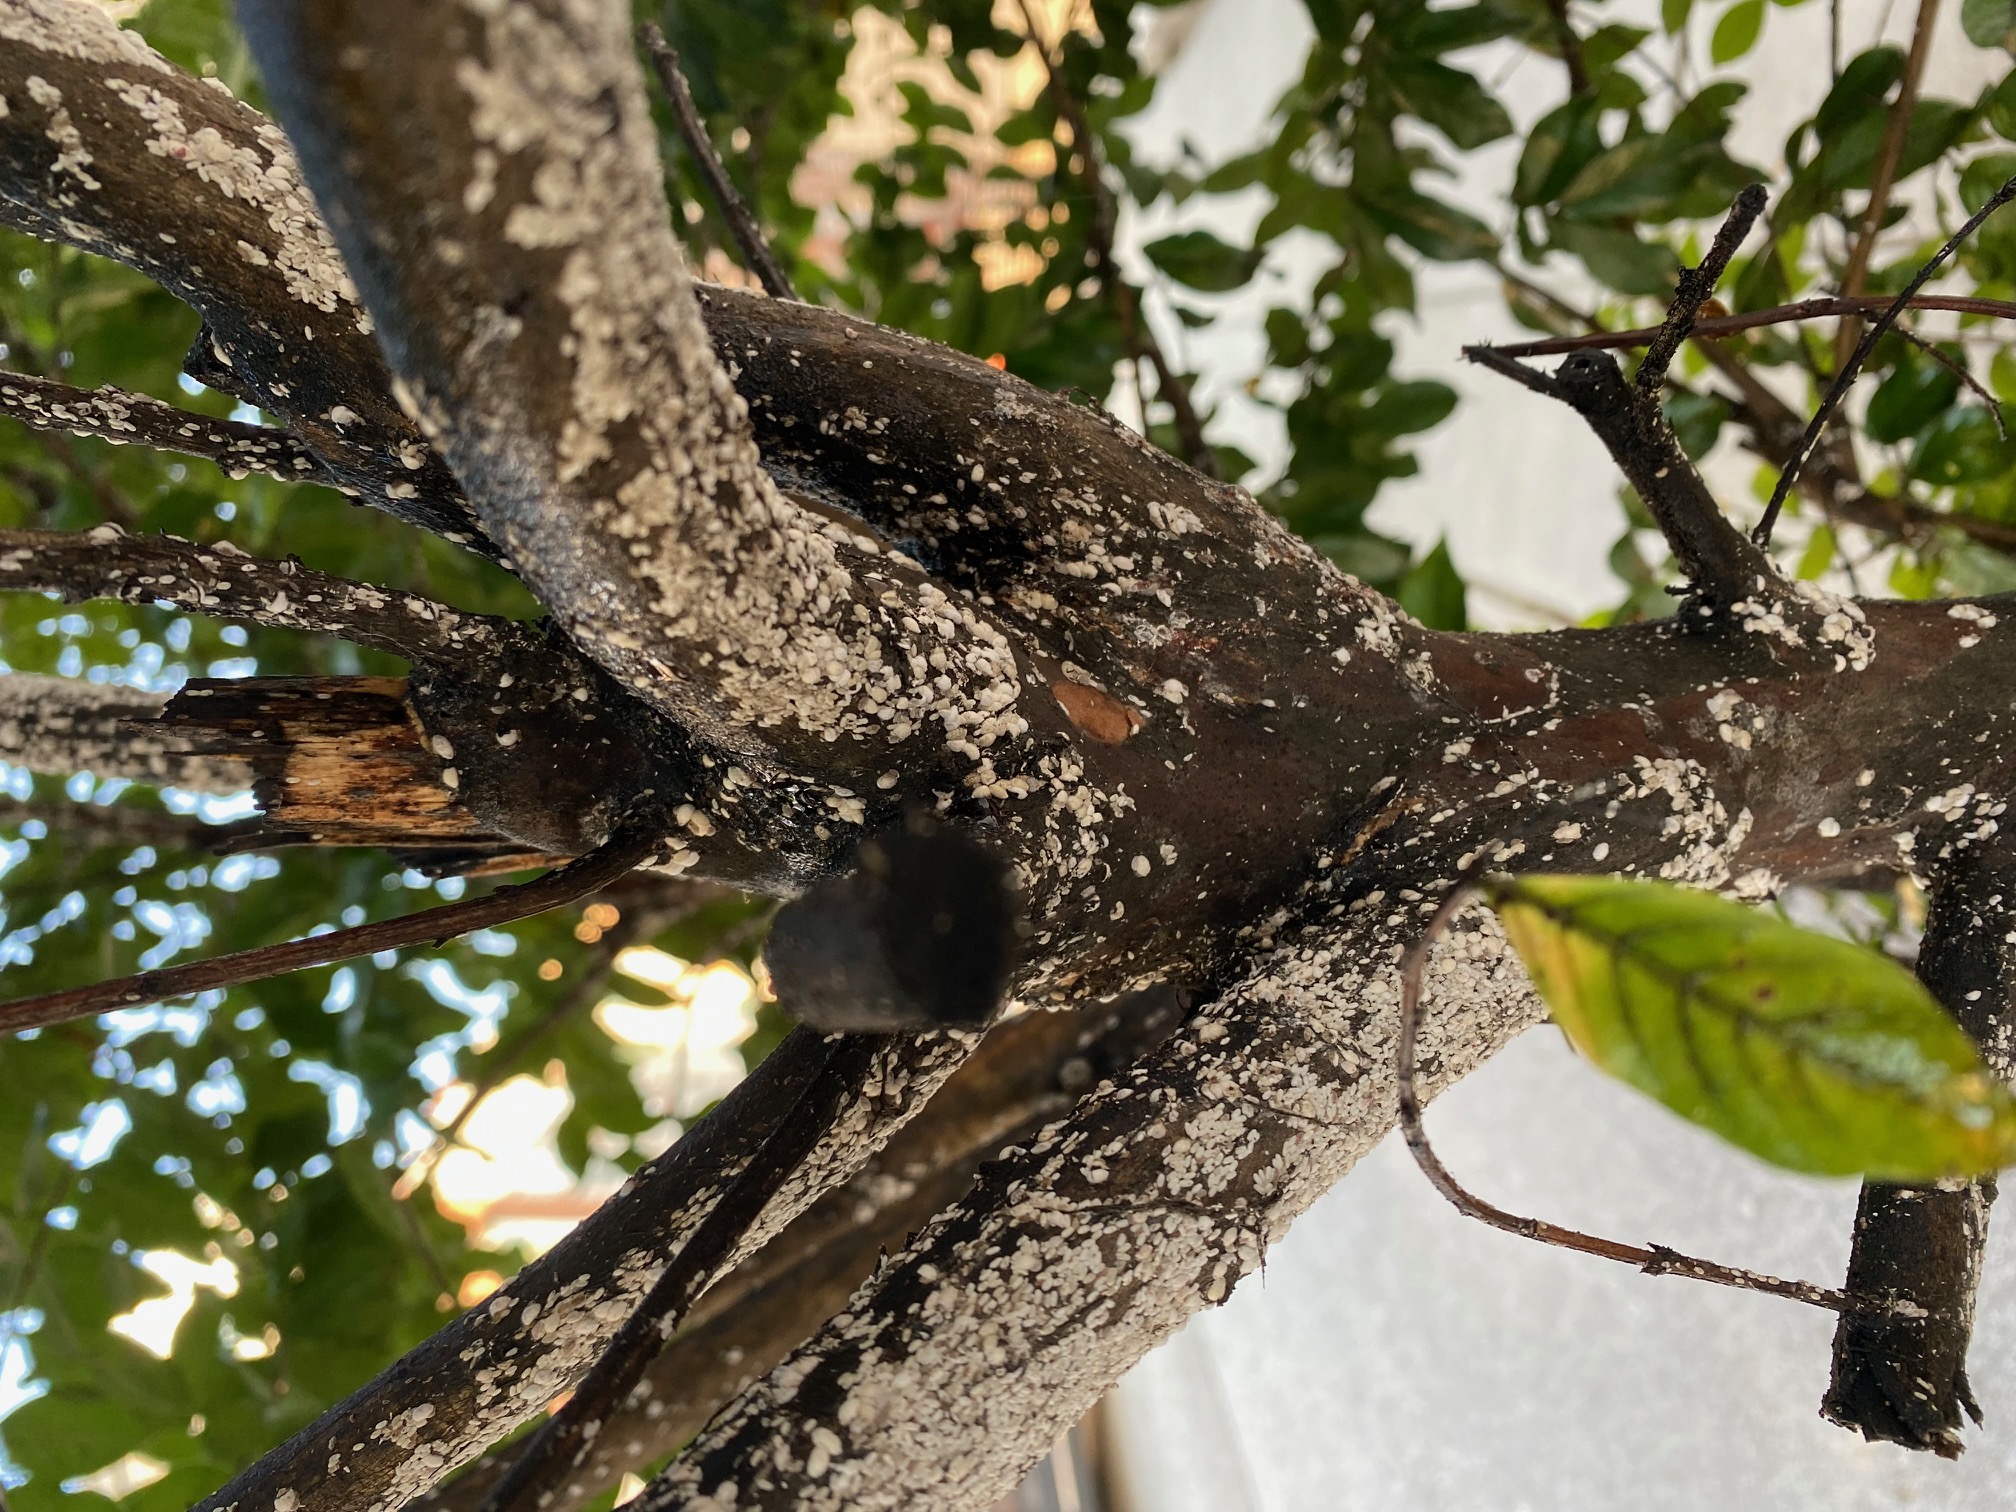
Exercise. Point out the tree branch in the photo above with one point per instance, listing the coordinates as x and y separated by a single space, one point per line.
1902 1378
1570 46
549 329
1028 1071
502 1363
1653 1260
136 420
557 1448
1696 286
223 582
1016 1307
1846 376
1135 333
620 854
1722 567
176 179
749 239
1895 130
62 725
1728 325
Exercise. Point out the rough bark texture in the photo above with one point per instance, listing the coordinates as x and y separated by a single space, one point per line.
136 420
1026 1073
64 724
805 575
1902 1377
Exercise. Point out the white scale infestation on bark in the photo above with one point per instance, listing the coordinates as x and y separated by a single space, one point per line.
986 1338
795 621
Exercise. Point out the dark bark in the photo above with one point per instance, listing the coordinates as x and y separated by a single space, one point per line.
1219 761
1026 1073
544 1328
223 581
136 420
1902 1378
243 243
556 1449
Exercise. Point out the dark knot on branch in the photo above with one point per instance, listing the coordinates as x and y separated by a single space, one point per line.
919 934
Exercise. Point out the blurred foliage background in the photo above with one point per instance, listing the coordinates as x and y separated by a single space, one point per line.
253 1190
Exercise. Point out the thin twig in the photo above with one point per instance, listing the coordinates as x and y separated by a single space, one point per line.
1895 131
221 581
1729 325
1654 1260
622 852
1693 291
62 409
1846 376
749 238
1959 370
1135 334
1571 48
560 1443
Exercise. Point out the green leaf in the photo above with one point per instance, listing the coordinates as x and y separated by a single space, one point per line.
1432 591
1736 33
1201 261
1819 554
1989 23
1448 99
1673 15
1962 446
1999 108
1863 86
1619 259
1917 391
1813 1053
1560 146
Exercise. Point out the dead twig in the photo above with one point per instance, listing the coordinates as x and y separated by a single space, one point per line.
1846 376
749 238
627 849
1654 1260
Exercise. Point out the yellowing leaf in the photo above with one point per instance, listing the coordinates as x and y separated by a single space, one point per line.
1813 1053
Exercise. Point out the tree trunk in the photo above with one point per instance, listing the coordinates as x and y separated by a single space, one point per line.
807 577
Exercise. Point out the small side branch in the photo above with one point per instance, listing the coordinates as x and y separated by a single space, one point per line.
247 249
559 1446
749 237
126 419
627 849
1902 1377
1822 308
1895 130
1720 563
224 582
1695 286
1846 376
1654 1260
1135 334
62 725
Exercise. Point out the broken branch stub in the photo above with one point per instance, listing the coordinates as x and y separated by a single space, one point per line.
919 934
